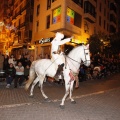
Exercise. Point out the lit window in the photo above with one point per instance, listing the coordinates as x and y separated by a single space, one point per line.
57 15
38 9
37 26
48 22
48 4
73 18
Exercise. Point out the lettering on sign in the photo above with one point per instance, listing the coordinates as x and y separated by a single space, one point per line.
42 41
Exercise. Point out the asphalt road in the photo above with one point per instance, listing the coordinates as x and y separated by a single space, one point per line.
95 100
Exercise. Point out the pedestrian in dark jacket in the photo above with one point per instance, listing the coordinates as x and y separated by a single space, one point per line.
26 72
82 74
10 74
5 63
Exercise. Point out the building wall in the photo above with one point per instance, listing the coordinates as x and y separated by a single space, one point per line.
89 21
80 33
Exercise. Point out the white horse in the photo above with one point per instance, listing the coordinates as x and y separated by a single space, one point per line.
45 67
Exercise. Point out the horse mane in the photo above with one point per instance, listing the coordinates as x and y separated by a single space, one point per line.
75 51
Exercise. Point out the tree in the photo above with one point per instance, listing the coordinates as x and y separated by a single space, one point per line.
115 43
95 44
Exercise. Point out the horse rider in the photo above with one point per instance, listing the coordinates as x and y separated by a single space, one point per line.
56 53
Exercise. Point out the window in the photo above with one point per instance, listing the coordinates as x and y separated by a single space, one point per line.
78 20
108 15
107 27
73 18
113 7
37 26
112 29
100 7
31 18
89 8
100 20
53 1
104 24
112 18
57 15
104 12
48 22
48 4
78 2
70 16
105 1
38 9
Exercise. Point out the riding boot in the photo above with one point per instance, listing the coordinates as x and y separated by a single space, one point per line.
59 70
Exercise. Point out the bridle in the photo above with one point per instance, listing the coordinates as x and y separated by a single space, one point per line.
85 56
83 62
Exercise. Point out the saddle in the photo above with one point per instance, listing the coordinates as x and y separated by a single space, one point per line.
58 51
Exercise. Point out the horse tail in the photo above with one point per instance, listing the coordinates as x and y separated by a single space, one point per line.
32 75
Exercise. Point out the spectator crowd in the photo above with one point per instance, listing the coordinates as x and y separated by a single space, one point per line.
17 68
100 68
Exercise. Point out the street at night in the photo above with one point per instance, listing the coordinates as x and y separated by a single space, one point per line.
68 51
95 100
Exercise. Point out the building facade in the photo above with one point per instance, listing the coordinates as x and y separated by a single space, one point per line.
3 32
30 21
18 22
78 18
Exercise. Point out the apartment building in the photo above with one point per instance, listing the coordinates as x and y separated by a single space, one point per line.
3 17
30 21
78 18
21 25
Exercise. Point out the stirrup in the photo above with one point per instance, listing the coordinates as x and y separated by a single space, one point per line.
56 77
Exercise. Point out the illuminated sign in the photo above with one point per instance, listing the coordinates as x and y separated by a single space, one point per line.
76 41
70 16
42 41
57 15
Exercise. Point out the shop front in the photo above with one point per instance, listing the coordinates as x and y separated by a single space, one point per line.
43 48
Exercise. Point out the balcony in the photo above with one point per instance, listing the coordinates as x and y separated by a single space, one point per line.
28 34
22 25
18 13
14 17
93 2
112 29
113 20
89 16
24 8
113 8
113 24
89 12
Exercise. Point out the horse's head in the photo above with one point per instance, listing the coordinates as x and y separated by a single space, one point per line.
86 55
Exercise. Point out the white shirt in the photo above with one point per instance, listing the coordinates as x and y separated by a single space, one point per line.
19 72
55 43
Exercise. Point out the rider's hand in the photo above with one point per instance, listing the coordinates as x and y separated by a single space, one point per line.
71 38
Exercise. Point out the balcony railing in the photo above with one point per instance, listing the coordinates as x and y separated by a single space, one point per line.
22 24
22 9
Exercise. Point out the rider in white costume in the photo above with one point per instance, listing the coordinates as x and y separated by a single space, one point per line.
57 55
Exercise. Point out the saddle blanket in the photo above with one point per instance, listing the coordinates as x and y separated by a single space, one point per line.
72 77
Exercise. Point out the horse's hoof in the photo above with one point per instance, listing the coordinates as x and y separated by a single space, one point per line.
47 100
31 96
62 106
73 102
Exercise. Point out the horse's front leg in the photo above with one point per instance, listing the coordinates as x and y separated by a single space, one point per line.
71 90
67 87
41 88
33 85
44 95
